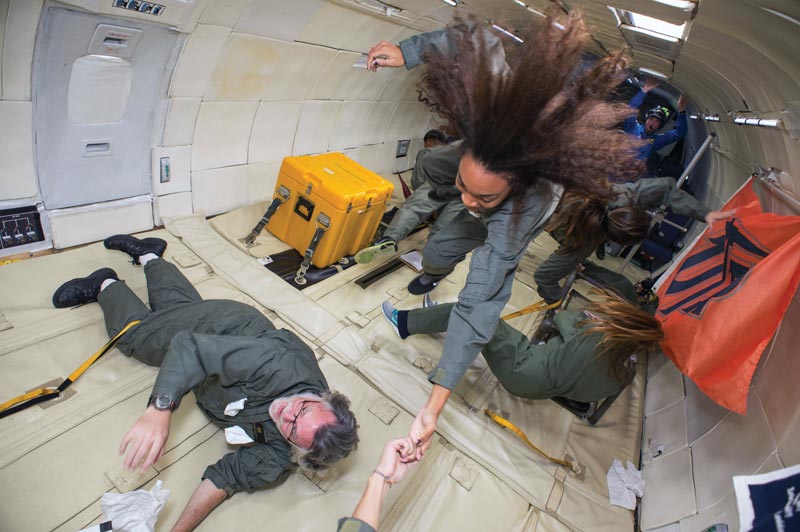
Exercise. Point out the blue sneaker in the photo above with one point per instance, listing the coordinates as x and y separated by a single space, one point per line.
390 313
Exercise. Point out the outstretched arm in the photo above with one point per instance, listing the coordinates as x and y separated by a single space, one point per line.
391 470
424 425
205 498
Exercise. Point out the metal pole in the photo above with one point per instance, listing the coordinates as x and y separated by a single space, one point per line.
696 159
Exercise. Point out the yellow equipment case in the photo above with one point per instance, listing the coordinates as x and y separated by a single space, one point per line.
325 206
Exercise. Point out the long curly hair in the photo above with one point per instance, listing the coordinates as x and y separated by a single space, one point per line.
540 118
628 332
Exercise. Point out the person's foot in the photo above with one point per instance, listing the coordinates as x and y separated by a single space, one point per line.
390 313
83 289
422 284
135 247
382 247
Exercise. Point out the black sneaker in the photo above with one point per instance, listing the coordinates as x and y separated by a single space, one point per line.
600 253
422 284
83 289
136 247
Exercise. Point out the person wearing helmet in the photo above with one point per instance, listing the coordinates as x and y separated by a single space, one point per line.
655 120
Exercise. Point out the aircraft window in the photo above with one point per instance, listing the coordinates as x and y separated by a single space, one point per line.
649 25
654 73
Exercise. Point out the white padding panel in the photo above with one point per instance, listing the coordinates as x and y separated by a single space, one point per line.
297 72
261 179
315 127
273 131
669 495
225 13
370 156
663 389
375 82
179 158
333 26
422 122
243 68
90 223
197 61
402 120
277 19
222 134
219 190
99 87
388 158
348 125
172 206
23 18
378 120
399 86
737 446
340 80
371 32
17 178
664 432
181 118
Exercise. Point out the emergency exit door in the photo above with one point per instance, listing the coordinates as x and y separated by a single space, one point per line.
98 81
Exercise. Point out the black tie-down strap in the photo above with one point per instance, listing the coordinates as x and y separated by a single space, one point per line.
281 196
323 224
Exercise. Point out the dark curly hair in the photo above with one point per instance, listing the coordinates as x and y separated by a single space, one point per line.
541 118
331 442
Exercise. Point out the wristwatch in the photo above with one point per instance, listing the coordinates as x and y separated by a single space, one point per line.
162 402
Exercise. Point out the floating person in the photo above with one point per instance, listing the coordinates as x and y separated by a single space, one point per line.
391 470
655 119
531 129
261 383
582 223
592 354
434 137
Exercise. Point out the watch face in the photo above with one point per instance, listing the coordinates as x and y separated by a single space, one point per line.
162 402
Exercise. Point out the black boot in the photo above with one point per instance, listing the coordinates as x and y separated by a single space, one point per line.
83 289
136 247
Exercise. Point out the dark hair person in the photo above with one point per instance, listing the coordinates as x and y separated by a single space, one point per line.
532 127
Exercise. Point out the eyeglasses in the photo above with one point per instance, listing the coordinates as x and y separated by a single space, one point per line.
293 432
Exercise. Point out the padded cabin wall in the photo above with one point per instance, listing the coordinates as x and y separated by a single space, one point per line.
737 52
261 79
18 22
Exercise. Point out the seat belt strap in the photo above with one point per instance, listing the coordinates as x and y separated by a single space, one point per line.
503 422
536 307
41 395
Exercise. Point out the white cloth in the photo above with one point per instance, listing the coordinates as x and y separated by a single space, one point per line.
234 407
237 436
624 485
135 511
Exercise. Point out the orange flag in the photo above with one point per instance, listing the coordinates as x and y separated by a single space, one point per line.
722 304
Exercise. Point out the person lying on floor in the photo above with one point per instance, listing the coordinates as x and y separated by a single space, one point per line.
261 383
592 355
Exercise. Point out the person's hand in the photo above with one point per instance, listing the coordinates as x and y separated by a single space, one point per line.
391 463
718 216
650 84
682 103
147 437
421 431
384 54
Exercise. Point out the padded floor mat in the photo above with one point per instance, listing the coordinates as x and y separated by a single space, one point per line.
56 462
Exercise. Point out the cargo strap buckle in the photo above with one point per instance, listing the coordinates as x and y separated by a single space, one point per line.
323 223
281 196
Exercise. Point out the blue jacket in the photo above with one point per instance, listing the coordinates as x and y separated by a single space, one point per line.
655 141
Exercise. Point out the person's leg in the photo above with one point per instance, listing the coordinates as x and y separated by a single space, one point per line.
455 233
417 208
120 307
425 320
167 287
555 268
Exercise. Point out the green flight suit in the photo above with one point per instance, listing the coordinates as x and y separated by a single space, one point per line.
223 351
564 366
644 193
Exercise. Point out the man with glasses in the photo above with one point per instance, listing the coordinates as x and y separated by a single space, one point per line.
261 383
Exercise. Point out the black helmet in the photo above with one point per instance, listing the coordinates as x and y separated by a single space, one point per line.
659 112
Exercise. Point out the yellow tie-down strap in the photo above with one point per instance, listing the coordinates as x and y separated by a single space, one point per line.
40 395
503 422
536 307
